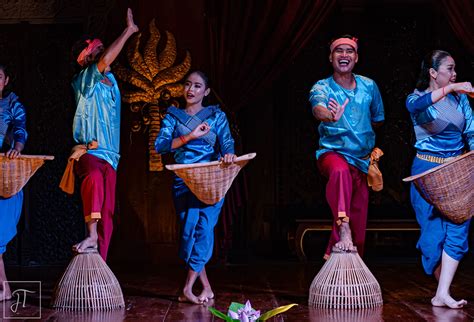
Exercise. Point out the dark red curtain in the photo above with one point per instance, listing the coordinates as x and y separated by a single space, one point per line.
460 15
251 42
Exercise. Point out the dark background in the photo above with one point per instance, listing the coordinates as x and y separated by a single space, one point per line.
262 76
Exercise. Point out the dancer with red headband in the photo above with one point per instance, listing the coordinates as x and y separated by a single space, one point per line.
349 107
96 129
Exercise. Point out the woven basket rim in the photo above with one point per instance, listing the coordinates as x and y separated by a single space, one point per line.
437 168
178 166
28 156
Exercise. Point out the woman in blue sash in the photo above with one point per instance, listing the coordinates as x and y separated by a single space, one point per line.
12 141
195 134
442 119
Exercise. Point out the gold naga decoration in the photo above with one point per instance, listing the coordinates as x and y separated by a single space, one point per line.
155 82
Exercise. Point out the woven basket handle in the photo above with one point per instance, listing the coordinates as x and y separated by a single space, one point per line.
244 157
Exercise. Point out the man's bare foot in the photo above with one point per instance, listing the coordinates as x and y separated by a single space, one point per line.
345 242
447 300
188 296
89 242
206 295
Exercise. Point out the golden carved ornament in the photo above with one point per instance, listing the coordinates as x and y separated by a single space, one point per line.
154 79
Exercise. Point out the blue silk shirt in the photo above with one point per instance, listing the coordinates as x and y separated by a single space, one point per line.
12 122
443 139
198 150
98 113
352 135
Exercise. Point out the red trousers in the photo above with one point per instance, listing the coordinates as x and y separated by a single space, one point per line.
98 180
347 194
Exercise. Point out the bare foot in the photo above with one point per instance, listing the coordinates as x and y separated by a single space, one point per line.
206 295
188 296
89 242
345 242
448 301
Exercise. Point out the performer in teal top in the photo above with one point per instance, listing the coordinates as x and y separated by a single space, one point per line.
352 135
442 119
12 141
97 115
349 107
196 134
97 123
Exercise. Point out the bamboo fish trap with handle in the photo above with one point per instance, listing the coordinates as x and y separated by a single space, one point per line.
15 173
209 181
449 187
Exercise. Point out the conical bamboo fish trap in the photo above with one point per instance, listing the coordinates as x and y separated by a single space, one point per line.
209 181
15 173
345 282
88 284
449 187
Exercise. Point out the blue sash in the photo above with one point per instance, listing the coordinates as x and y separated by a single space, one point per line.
187 123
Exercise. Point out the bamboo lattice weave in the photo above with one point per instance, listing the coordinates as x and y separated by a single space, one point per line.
449 187
210 181
15 173
88 284
345 282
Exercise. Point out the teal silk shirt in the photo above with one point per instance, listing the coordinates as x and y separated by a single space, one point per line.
98 113
352 135
198 150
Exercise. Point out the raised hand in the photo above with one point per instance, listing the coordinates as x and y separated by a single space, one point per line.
200 130
336 109
130 23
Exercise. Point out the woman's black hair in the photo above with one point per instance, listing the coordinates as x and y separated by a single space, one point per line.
201 74
5 70
431 60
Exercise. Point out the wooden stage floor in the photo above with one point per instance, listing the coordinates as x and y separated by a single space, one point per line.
151 293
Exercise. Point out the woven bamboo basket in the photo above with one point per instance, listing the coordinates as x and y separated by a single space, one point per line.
345 282
88 284
15 173
209 181
449 187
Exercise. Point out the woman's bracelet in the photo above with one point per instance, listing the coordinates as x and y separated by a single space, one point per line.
443 91
183 139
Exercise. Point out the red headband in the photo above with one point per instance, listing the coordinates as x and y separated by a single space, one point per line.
344 41
92 45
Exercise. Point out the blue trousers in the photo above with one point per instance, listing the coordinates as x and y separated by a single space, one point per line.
437 232
10 212
197 226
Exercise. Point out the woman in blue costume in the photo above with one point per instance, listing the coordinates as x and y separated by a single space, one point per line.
195 134
442 119
12 141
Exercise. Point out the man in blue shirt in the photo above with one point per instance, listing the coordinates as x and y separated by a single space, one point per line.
349 106
97 124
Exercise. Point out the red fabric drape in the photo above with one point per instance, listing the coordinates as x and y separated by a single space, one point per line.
460 15
251 42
